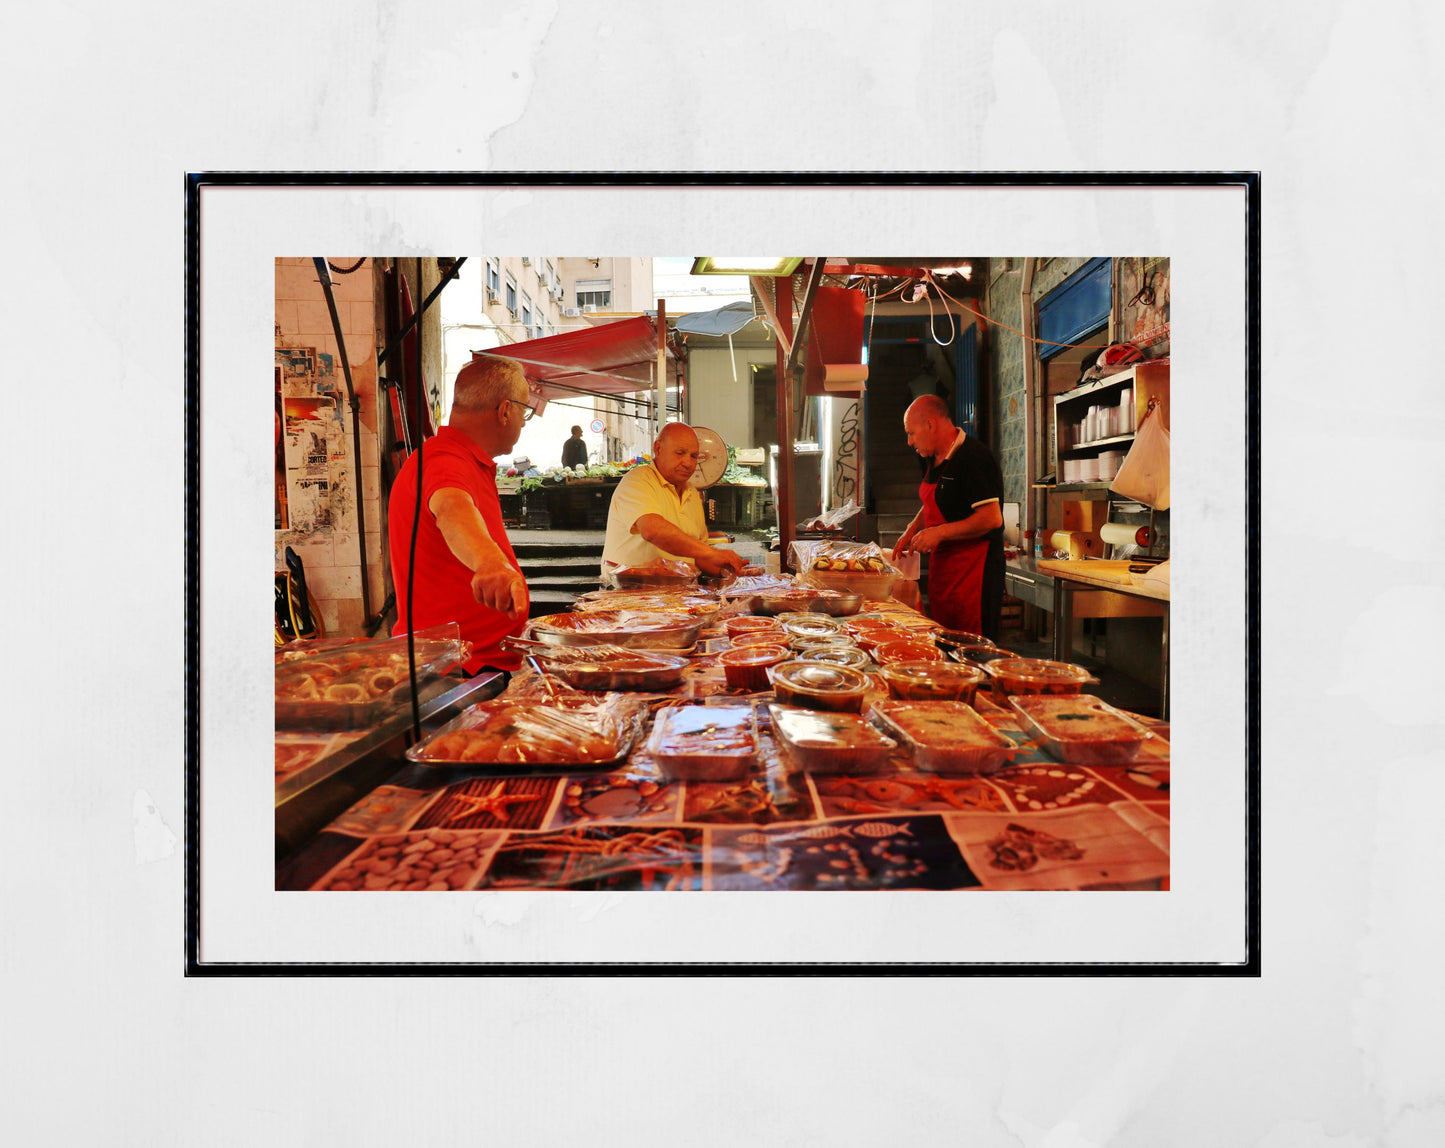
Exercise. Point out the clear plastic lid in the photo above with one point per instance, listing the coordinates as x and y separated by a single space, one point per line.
1039 671
810 625
819 678
963 638
933 673
907 650
773 637
754 656
835 655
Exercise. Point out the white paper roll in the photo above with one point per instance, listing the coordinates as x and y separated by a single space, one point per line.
844 376
1117 534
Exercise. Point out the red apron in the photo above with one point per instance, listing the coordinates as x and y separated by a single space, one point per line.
955 573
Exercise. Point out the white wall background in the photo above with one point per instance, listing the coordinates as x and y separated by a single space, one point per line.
1339 1043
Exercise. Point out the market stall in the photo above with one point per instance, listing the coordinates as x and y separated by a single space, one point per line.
771 734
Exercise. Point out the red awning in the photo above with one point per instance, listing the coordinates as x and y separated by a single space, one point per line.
610 359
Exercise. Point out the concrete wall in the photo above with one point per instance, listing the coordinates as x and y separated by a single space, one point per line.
715 400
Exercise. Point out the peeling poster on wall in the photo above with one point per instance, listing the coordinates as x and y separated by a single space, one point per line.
312 439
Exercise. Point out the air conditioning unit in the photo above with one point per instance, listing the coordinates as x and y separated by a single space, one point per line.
588 308
571 312
526 261
492 296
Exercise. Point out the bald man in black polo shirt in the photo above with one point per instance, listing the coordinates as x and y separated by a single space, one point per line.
961 522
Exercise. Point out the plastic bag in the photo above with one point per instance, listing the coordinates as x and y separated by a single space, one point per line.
1144 475
841 557
833 519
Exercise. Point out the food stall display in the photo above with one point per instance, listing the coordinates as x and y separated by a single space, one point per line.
738 765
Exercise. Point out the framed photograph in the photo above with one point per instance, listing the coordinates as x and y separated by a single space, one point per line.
1180 895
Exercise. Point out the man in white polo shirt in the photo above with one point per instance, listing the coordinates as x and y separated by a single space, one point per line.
655 514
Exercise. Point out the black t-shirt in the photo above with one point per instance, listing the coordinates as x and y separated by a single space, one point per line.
965 481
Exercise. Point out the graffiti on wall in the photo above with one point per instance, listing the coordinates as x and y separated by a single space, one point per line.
845 452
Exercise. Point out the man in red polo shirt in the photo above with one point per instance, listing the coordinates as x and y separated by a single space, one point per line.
465 569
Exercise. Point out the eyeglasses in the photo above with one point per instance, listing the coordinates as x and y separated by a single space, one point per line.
526 418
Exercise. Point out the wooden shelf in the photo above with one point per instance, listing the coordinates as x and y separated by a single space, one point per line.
1099 442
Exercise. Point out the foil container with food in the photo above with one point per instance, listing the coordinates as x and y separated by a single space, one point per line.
946 737
1080 729
357 684
695 603
671 572
607 667
829 742
705 743
524 737
649 629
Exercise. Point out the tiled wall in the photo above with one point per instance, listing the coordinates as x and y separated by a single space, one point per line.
1006 359
330 549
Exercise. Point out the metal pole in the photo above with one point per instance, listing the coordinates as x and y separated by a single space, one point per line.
783 496
661 366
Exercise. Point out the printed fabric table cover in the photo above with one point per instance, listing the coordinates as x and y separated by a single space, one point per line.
1036 824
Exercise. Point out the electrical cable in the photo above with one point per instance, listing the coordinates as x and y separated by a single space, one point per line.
346 270
1028 339
952 326
415 526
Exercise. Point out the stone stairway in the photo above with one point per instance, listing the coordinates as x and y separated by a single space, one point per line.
558 571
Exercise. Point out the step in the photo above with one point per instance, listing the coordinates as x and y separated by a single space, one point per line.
561 567
555 550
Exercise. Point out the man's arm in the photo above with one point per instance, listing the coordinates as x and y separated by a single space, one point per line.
987 517
495 582
665 536
902 545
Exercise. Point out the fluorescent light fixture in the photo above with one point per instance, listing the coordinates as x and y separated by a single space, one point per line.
745 265
965 270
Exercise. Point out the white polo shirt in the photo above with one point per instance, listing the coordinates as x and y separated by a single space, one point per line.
644 491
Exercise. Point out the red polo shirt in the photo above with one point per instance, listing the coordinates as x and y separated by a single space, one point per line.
444 585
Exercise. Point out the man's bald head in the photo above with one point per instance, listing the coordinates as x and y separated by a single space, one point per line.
674 454
929 426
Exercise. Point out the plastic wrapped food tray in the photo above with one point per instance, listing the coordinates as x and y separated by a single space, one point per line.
359 684
695 603
522 737
645 629
932 681
874 586
745 623
820 686
1081 729
619 669
946 737
828 601
705 743
830 742
664 572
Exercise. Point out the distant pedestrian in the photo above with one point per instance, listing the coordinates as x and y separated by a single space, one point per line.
574 450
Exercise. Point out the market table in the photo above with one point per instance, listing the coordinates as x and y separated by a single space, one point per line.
1078 576
1036 824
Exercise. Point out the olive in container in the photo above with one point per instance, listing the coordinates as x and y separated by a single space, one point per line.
746 668
705 743
946 737
1015 676
820 686
931 681
830 742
